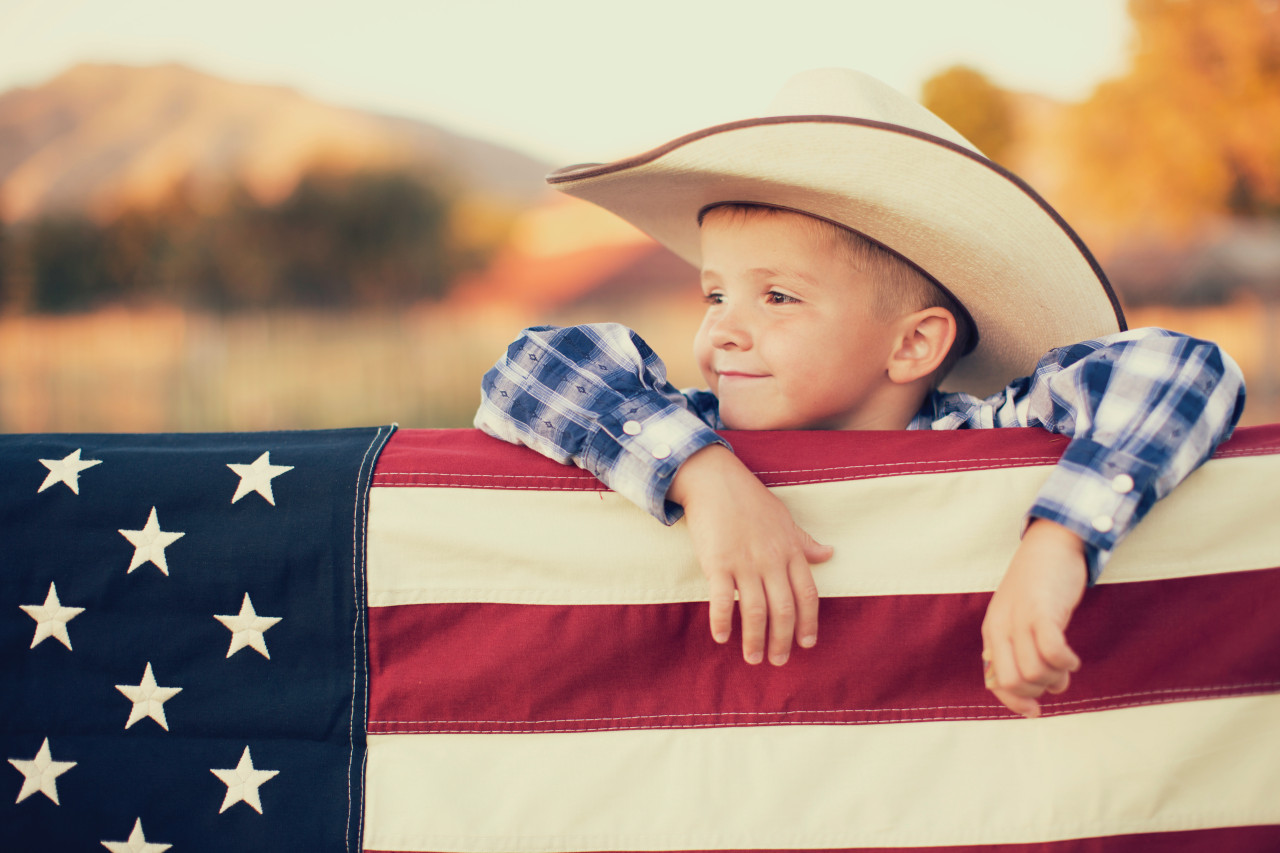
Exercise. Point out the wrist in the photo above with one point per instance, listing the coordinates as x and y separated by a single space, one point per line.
1042 530
708 467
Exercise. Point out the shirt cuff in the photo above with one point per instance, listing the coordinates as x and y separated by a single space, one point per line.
641 444
1099 494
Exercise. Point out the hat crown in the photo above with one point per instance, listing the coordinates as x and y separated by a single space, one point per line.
852 94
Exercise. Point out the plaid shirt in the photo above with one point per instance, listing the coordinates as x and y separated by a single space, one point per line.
1143 408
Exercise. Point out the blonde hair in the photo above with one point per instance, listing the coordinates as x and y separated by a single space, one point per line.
900 286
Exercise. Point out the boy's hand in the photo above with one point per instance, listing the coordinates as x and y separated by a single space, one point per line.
1024 644
745 539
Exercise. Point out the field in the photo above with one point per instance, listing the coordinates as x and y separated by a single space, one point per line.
158 370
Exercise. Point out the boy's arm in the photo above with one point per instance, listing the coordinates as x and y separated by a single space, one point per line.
597 396
747 543
1144 409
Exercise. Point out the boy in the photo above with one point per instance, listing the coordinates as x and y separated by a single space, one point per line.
855 252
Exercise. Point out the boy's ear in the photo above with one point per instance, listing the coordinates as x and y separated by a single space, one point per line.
923 340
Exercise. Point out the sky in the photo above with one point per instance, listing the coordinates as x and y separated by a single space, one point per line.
571 80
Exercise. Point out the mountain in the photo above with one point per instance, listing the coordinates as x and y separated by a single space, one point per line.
101 136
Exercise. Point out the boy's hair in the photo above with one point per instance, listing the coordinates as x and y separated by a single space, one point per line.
900 287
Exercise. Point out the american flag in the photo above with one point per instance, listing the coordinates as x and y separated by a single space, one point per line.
261 642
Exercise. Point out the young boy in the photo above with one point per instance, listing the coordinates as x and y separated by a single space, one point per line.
855 253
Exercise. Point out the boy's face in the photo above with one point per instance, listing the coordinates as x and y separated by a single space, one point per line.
791 338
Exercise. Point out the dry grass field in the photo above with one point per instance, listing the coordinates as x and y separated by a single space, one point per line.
161 370
164 370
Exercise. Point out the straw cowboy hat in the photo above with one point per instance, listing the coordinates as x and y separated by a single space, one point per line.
845 147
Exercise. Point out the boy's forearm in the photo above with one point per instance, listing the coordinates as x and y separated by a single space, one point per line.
597 397
642 447
1099 494
702 468
1143 414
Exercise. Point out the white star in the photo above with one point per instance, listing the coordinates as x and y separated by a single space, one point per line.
137 842
51 618
66 470
149 543
148 699
257 477
247 628
41 774
242 783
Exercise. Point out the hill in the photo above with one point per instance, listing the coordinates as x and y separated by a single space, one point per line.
98 137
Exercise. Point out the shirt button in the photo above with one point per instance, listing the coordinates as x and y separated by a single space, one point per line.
1102 523
662 451
631 427
1123 484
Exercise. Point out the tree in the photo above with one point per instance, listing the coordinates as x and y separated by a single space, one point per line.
372 238
973 105
1191 132
338 240
67 259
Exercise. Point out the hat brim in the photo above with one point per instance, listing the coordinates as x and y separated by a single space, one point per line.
1027 280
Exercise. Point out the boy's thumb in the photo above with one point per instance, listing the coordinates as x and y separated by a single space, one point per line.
815 552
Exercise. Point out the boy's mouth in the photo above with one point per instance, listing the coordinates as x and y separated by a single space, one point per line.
739 374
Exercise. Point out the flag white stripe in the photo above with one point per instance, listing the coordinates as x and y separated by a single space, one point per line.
433 545
1182 766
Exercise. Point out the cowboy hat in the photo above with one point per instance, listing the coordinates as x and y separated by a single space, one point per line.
842 146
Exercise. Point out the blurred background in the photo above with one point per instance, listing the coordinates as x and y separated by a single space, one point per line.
248 215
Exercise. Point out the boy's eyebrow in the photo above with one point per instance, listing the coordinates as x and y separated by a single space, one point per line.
762 273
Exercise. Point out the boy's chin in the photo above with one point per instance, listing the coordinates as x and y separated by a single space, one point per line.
754 421
739 419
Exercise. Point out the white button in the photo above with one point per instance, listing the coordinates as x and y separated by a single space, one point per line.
1123 484
631 427
662 451
1102 523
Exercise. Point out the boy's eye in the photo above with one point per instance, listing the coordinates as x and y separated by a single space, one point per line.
776 298
713 298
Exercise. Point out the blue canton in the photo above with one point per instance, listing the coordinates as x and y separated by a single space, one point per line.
183 661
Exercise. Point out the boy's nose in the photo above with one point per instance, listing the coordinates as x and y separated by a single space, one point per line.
730 329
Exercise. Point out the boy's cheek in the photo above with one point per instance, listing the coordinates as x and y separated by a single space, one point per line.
703 358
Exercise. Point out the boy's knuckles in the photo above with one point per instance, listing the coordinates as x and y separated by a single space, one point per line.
1015 685
806 594
783 609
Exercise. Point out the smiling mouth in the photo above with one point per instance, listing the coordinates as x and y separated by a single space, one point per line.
734 374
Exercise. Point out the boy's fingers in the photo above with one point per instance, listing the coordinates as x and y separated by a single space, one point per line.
805 592
1018 704
815 552
1052 643
997 663
754 608
721 606
782 618
1004 676
1034 672
1054 650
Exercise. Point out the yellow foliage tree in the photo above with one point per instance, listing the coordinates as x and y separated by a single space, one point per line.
1191 133
972 104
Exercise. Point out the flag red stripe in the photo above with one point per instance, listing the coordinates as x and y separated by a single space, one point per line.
1235 839
462 459
470 459
504 667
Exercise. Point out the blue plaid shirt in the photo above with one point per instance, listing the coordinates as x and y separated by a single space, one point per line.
1144 409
